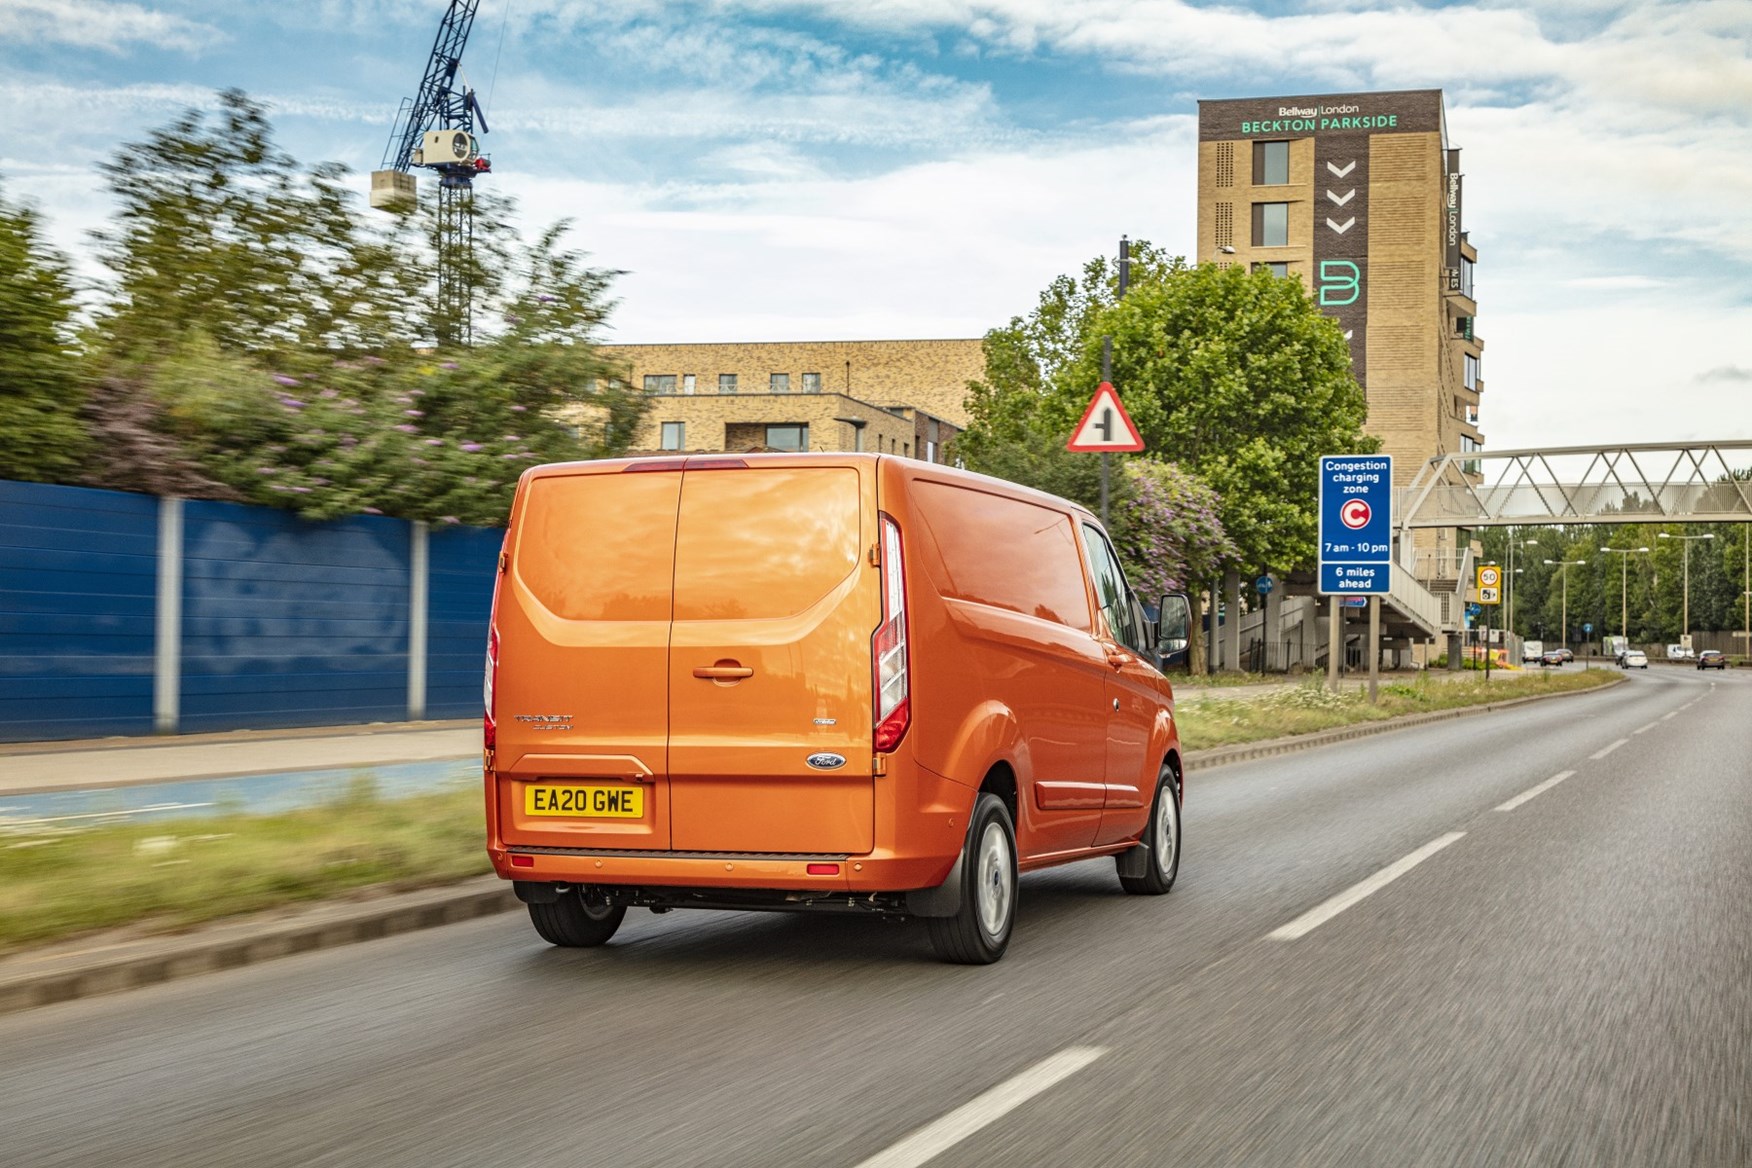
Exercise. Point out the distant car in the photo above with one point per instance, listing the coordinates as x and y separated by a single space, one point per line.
1568 656
1712 659
1635 659
1553 657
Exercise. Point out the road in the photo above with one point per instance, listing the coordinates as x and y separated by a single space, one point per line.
1560 979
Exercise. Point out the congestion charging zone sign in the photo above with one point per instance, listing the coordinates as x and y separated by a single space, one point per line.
1356 524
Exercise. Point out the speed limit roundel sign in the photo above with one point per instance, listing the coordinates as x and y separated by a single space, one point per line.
1489 577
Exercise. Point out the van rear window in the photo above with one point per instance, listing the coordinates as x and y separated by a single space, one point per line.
765 542
1006 553
599 546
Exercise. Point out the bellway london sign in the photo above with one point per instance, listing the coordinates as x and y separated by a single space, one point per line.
1356 524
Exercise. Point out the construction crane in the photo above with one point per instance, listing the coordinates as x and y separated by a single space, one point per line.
435 129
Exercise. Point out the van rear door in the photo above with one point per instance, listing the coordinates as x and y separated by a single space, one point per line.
769 667
583 621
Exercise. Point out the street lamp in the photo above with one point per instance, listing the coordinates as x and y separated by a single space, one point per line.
1565 565
1508 581
1624 555
1686 621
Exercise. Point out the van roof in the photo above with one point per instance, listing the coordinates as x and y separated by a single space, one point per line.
729 460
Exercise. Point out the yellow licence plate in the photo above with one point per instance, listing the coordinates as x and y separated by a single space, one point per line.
587 802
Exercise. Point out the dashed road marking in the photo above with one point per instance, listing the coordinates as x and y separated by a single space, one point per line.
1642 729
1670 714
938 1137
1533 792
1607 749
1319 915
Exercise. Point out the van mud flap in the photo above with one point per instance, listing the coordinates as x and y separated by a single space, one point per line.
945 899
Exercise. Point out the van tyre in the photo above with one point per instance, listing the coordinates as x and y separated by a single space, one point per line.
1163 836
979 932
574 923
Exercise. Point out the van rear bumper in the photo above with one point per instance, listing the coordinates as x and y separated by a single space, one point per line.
735 870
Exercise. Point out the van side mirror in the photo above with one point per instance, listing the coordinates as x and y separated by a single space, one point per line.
1173 630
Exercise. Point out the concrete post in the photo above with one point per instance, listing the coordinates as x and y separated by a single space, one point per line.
419 574
167 621
1232 629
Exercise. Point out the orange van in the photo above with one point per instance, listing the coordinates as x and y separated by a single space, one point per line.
832 682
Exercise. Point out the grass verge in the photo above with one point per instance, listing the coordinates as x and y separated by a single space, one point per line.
1212 721
168 875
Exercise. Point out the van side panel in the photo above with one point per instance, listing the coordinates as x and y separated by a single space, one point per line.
583 621
1010 627
769 676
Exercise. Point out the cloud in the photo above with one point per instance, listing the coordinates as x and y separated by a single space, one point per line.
1616 283
99 24
1725 373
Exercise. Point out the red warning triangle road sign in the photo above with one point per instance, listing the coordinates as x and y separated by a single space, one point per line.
1105 425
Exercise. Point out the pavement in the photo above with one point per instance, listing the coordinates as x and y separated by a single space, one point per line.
428 752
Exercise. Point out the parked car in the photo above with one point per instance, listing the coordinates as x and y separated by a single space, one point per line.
818 682
1635 659
1712 659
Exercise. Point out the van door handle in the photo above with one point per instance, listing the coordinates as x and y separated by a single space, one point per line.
1117 659
723 672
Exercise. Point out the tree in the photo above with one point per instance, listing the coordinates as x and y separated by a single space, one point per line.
1240 379
264 344
40 392
1010 434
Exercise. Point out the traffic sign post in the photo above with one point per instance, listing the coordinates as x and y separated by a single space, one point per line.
1105 427
1356 540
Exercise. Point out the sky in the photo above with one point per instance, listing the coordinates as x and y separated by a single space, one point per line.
866 169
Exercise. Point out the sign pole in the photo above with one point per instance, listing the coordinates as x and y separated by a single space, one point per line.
1374 649
1334 639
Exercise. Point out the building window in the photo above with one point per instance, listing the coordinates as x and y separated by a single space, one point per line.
930 451
788 437
1274 269
659 383
778 383
1271 163
1271 225
1470 380
726 383
675 435
688 382
812 383
1472 415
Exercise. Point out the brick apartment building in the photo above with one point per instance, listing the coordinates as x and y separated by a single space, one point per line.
902 397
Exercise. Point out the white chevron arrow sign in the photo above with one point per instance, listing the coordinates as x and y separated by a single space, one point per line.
1347 197
1348 167
1341 228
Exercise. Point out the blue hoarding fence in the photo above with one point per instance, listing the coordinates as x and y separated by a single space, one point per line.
1356 524
125 614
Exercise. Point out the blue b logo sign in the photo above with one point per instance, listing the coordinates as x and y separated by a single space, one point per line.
1340 283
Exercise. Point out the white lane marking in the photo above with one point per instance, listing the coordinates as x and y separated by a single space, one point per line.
938 1137
1608 749
1320 914
1644 729
1531 792
1669 714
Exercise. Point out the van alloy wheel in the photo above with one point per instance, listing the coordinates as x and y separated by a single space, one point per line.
1163 836
979 932
997 882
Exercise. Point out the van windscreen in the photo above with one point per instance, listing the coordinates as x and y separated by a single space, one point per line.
599 547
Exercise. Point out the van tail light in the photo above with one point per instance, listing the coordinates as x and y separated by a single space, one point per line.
489 723
888 647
